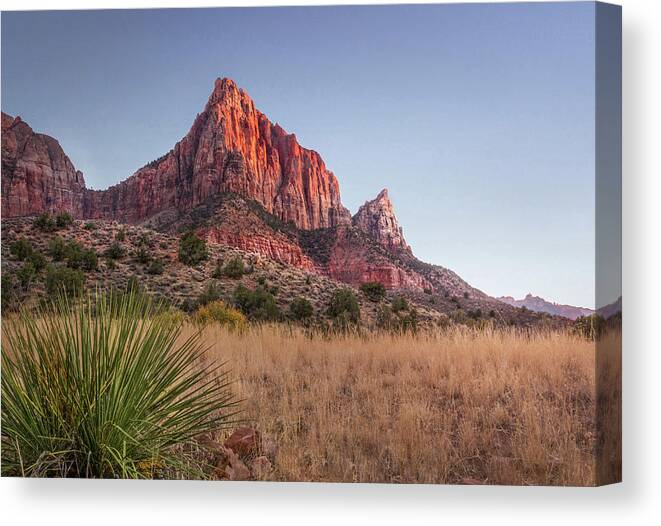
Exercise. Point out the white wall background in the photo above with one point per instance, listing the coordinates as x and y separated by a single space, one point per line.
636 500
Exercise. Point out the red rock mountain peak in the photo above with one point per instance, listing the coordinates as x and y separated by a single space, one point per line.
377 219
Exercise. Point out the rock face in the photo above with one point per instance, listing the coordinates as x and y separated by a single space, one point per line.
231 147
37 176
537 304
353 259
377 219
228 219
276 248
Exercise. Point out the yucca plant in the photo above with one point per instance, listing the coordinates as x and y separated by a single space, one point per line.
103 388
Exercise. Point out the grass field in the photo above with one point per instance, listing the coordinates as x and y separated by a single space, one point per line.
458 407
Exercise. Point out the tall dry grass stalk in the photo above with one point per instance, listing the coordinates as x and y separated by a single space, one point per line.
460 407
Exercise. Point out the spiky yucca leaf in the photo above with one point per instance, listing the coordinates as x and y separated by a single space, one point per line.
102 388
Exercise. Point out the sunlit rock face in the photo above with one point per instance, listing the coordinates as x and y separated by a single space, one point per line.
231 147
377 219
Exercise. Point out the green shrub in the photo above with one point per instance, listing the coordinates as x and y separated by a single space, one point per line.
115 251
145 239
44 223
217 271
386 318
142 256
63 220
21 249
466 295
98 407
64 280
234 268
120 236
409 322
301 309
38 261
399 304
192 249
90 259
90 225
219 312
79 257
211 293
73 253
403 320
344 308
57 248
373 290
258 304
26 275
156 267
492 313
188 305
475 314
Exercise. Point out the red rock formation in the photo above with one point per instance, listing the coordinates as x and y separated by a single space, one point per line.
277 248
377 219
352 260
36 174
231 147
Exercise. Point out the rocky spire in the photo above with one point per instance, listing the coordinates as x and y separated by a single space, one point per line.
377 219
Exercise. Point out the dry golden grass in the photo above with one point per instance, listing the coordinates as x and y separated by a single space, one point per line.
460 407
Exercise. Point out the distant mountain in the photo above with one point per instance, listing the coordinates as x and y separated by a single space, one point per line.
537 304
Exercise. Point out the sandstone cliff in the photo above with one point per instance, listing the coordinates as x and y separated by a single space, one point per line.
37 176
231 147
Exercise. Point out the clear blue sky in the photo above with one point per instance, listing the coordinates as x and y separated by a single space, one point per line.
478 118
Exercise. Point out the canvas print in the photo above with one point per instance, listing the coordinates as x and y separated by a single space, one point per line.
321 244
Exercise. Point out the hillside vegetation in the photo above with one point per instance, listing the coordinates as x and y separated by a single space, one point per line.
40 256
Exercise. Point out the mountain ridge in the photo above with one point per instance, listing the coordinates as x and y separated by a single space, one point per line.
539 304
231 146
237 179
